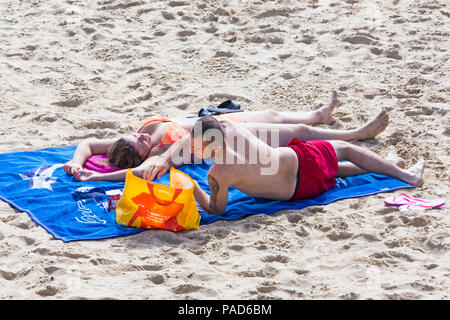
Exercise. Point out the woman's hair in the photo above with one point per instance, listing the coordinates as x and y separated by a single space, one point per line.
122 154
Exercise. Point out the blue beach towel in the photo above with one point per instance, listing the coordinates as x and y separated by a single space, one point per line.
35 182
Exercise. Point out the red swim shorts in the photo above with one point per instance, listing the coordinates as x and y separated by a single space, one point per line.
317 167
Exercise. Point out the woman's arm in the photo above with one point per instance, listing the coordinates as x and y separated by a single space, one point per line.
119 175
85 150
89 175
154 161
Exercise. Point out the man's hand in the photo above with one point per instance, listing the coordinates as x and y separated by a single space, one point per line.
86 175
70 168
155 166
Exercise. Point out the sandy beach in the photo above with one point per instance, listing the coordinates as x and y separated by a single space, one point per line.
72 70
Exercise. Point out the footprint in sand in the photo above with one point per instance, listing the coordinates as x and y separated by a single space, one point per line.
438 242
266 288
285 56
123 5
182 106
422 286
107 25
267 272
70 103
236 247
220 233
140 69
376 51
11 275
393 54
177 3
102 261
28 241
188 288
211 29
8 275
185 33
301 232
417 111
159 33
54 270
274 13
168 15
30 47
392 256
251 227
25 225
101 125
96 20
307 39
335 236
369 237
48 291
276 258
255 39
420 222
358 39
392 244
226 54
156 278
294 218
88 30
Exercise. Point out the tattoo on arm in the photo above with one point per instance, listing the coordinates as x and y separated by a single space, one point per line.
214 186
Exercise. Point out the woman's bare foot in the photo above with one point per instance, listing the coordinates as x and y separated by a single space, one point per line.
395 159
326 110
373 128
416 172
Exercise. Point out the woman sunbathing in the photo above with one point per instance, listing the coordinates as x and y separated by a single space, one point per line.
148 151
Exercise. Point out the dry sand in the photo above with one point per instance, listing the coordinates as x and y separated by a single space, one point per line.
71 70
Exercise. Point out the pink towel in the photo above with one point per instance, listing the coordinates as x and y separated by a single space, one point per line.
99 164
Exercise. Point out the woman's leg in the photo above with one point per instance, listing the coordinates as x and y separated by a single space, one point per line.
321 115
278 135
371 162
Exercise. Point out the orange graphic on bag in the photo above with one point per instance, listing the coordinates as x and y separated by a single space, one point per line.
146 204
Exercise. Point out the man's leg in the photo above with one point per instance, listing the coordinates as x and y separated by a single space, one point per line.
347 169
321 115
371 162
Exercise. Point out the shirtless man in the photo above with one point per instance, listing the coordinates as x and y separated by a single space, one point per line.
304 169
148 158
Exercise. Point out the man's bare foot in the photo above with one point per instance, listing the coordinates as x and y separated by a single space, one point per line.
416 172
395 159
327 109
373 128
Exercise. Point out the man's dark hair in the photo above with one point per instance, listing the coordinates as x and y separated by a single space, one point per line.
204 124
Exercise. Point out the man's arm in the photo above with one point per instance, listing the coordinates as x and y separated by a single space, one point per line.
170 158
216 203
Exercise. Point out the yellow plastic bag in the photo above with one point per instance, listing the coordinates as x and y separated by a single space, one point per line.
147 204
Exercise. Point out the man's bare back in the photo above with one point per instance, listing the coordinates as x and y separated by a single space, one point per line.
251 166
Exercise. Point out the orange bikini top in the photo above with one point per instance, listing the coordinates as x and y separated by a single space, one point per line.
173 133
